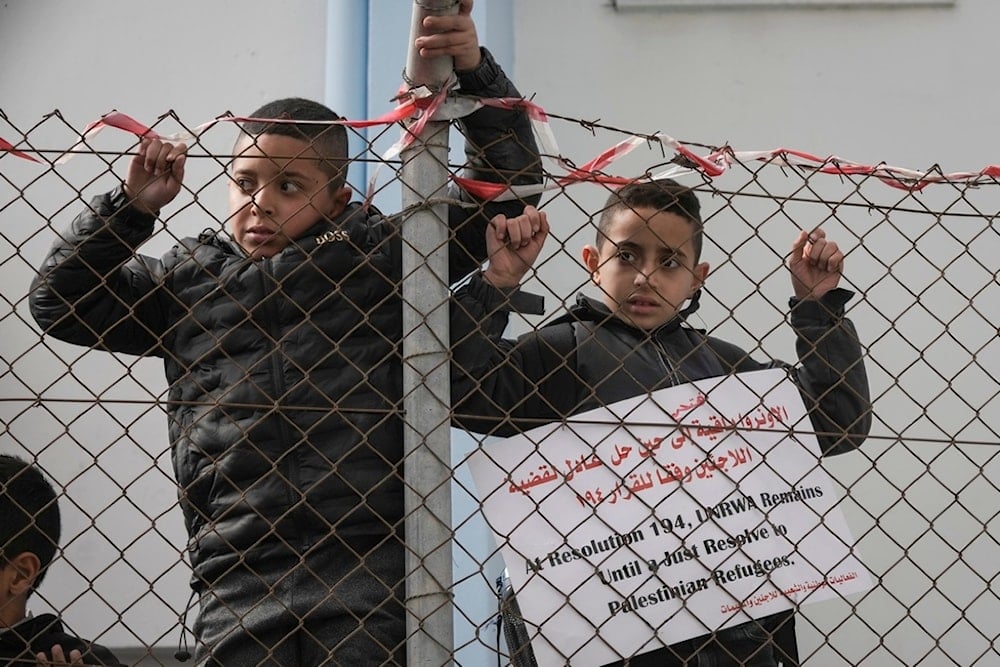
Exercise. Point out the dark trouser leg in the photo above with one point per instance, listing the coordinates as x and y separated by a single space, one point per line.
336 605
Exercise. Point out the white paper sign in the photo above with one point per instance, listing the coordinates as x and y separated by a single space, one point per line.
664 517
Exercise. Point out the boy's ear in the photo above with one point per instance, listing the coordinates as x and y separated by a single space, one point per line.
20 573
700 275
592 260
338 201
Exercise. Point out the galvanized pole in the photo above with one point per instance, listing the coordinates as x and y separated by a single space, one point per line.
426 386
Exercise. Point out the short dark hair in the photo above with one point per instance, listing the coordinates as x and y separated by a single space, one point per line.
329 140
665 195
29 513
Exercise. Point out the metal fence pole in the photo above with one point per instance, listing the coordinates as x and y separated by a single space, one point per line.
426 386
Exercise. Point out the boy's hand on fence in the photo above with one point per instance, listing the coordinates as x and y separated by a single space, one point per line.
155 174
816 264
59 659
453 35
513 245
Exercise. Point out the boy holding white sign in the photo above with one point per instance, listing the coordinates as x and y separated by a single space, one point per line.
647 263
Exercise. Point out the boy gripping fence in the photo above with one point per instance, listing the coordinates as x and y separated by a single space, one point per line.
280 343
646 261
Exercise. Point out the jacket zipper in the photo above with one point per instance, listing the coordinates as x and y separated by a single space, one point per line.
665 359
289 467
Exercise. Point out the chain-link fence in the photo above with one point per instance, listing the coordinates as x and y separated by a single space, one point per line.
634 511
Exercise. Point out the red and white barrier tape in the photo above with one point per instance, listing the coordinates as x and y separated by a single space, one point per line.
424 106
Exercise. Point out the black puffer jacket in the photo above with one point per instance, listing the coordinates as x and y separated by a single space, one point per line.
589 358
285 374
20 644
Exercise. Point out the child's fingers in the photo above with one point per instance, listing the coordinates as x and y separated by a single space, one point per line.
177 151
464 9
530 224
498 225
177 159
830 257
540 228
168 156
445 44
451 35
824 255
806 242
57 654
520 231
798 245
58 658
543 224
159 155
152 155
437 26
450 22
496 233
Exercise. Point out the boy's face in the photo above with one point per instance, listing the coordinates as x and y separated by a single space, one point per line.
10 605
277 192
17 576
646 267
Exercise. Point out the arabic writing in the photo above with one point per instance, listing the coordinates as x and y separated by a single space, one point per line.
763 417
790 592
671 473
544 475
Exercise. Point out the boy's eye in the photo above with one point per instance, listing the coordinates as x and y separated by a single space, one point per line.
627 256
290 187
670 262
244 184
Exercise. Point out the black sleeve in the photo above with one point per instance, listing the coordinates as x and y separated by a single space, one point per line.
46 631
502 386
94 290
831 372
500 147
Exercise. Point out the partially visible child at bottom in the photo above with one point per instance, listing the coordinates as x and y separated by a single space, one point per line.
647 264
29 539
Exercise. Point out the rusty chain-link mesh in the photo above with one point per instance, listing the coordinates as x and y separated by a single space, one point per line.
918 495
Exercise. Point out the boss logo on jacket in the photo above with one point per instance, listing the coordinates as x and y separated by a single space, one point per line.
332 236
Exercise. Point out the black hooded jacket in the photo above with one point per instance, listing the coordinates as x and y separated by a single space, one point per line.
589 357
285 374
20 644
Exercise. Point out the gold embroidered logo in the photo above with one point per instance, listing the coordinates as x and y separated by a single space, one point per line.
332 236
